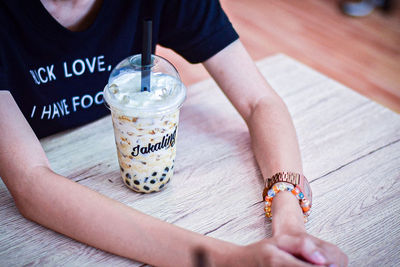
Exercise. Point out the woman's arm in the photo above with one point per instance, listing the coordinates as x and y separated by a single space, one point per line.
272 132
85 215
89 217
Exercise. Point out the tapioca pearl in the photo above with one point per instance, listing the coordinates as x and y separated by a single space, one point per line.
136 182
127 175
122 169
127 182
146 188
161 186
146 179
166 169
153 181
154 174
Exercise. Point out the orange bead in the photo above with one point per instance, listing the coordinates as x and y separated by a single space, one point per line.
305 209
268 198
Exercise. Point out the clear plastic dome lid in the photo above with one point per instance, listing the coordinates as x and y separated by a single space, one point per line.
124 91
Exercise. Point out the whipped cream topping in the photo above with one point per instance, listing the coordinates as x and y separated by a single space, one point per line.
124 93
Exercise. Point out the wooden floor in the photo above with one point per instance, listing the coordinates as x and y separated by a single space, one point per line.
361 53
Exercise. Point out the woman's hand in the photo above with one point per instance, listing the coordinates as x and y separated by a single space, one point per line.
299 249
268 253
311 249
289 234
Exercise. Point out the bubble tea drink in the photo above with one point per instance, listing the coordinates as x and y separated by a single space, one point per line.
145 122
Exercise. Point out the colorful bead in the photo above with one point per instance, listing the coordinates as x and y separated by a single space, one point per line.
281 186
275 188
300 196
305 202
290 187
268 198
271 193
305 209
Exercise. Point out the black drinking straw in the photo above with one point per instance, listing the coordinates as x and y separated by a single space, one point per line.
146 55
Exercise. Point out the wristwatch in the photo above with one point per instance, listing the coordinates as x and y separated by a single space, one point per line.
295 183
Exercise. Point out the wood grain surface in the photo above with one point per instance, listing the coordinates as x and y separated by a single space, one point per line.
350 148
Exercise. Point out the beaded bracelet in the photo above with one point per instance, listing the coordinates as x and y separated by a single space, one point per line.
295 190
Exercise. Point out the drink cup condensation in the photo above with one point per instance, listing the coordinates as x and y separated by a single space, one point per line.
145 123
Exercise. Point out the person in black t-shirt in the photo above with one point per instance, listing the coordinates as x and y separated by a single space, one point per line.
55 58
66 70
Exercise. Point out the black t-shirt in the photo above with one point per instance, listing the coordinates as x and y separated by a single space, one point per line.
57 76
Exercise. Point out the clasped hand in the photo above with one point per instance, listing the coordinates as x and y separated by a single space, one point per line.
295 250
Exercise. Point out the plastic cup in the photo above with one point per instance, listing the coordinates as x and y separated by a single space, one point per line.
145 122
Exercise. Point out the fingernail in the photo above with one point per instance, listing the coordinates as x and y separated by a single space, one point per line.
317 257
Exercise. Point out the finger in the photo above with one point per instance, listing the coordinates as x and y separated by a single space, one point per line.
333 254
303 246
285 259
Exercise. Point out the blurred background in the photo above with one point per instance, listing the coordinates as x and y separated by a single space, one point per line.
360 52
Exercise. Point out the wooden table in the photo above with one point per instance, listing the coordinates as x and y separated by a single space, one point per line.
351 154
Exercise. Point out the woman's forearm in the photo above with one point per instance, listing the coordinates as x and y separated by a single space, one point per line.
276 149
87 216
272 132
274 138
